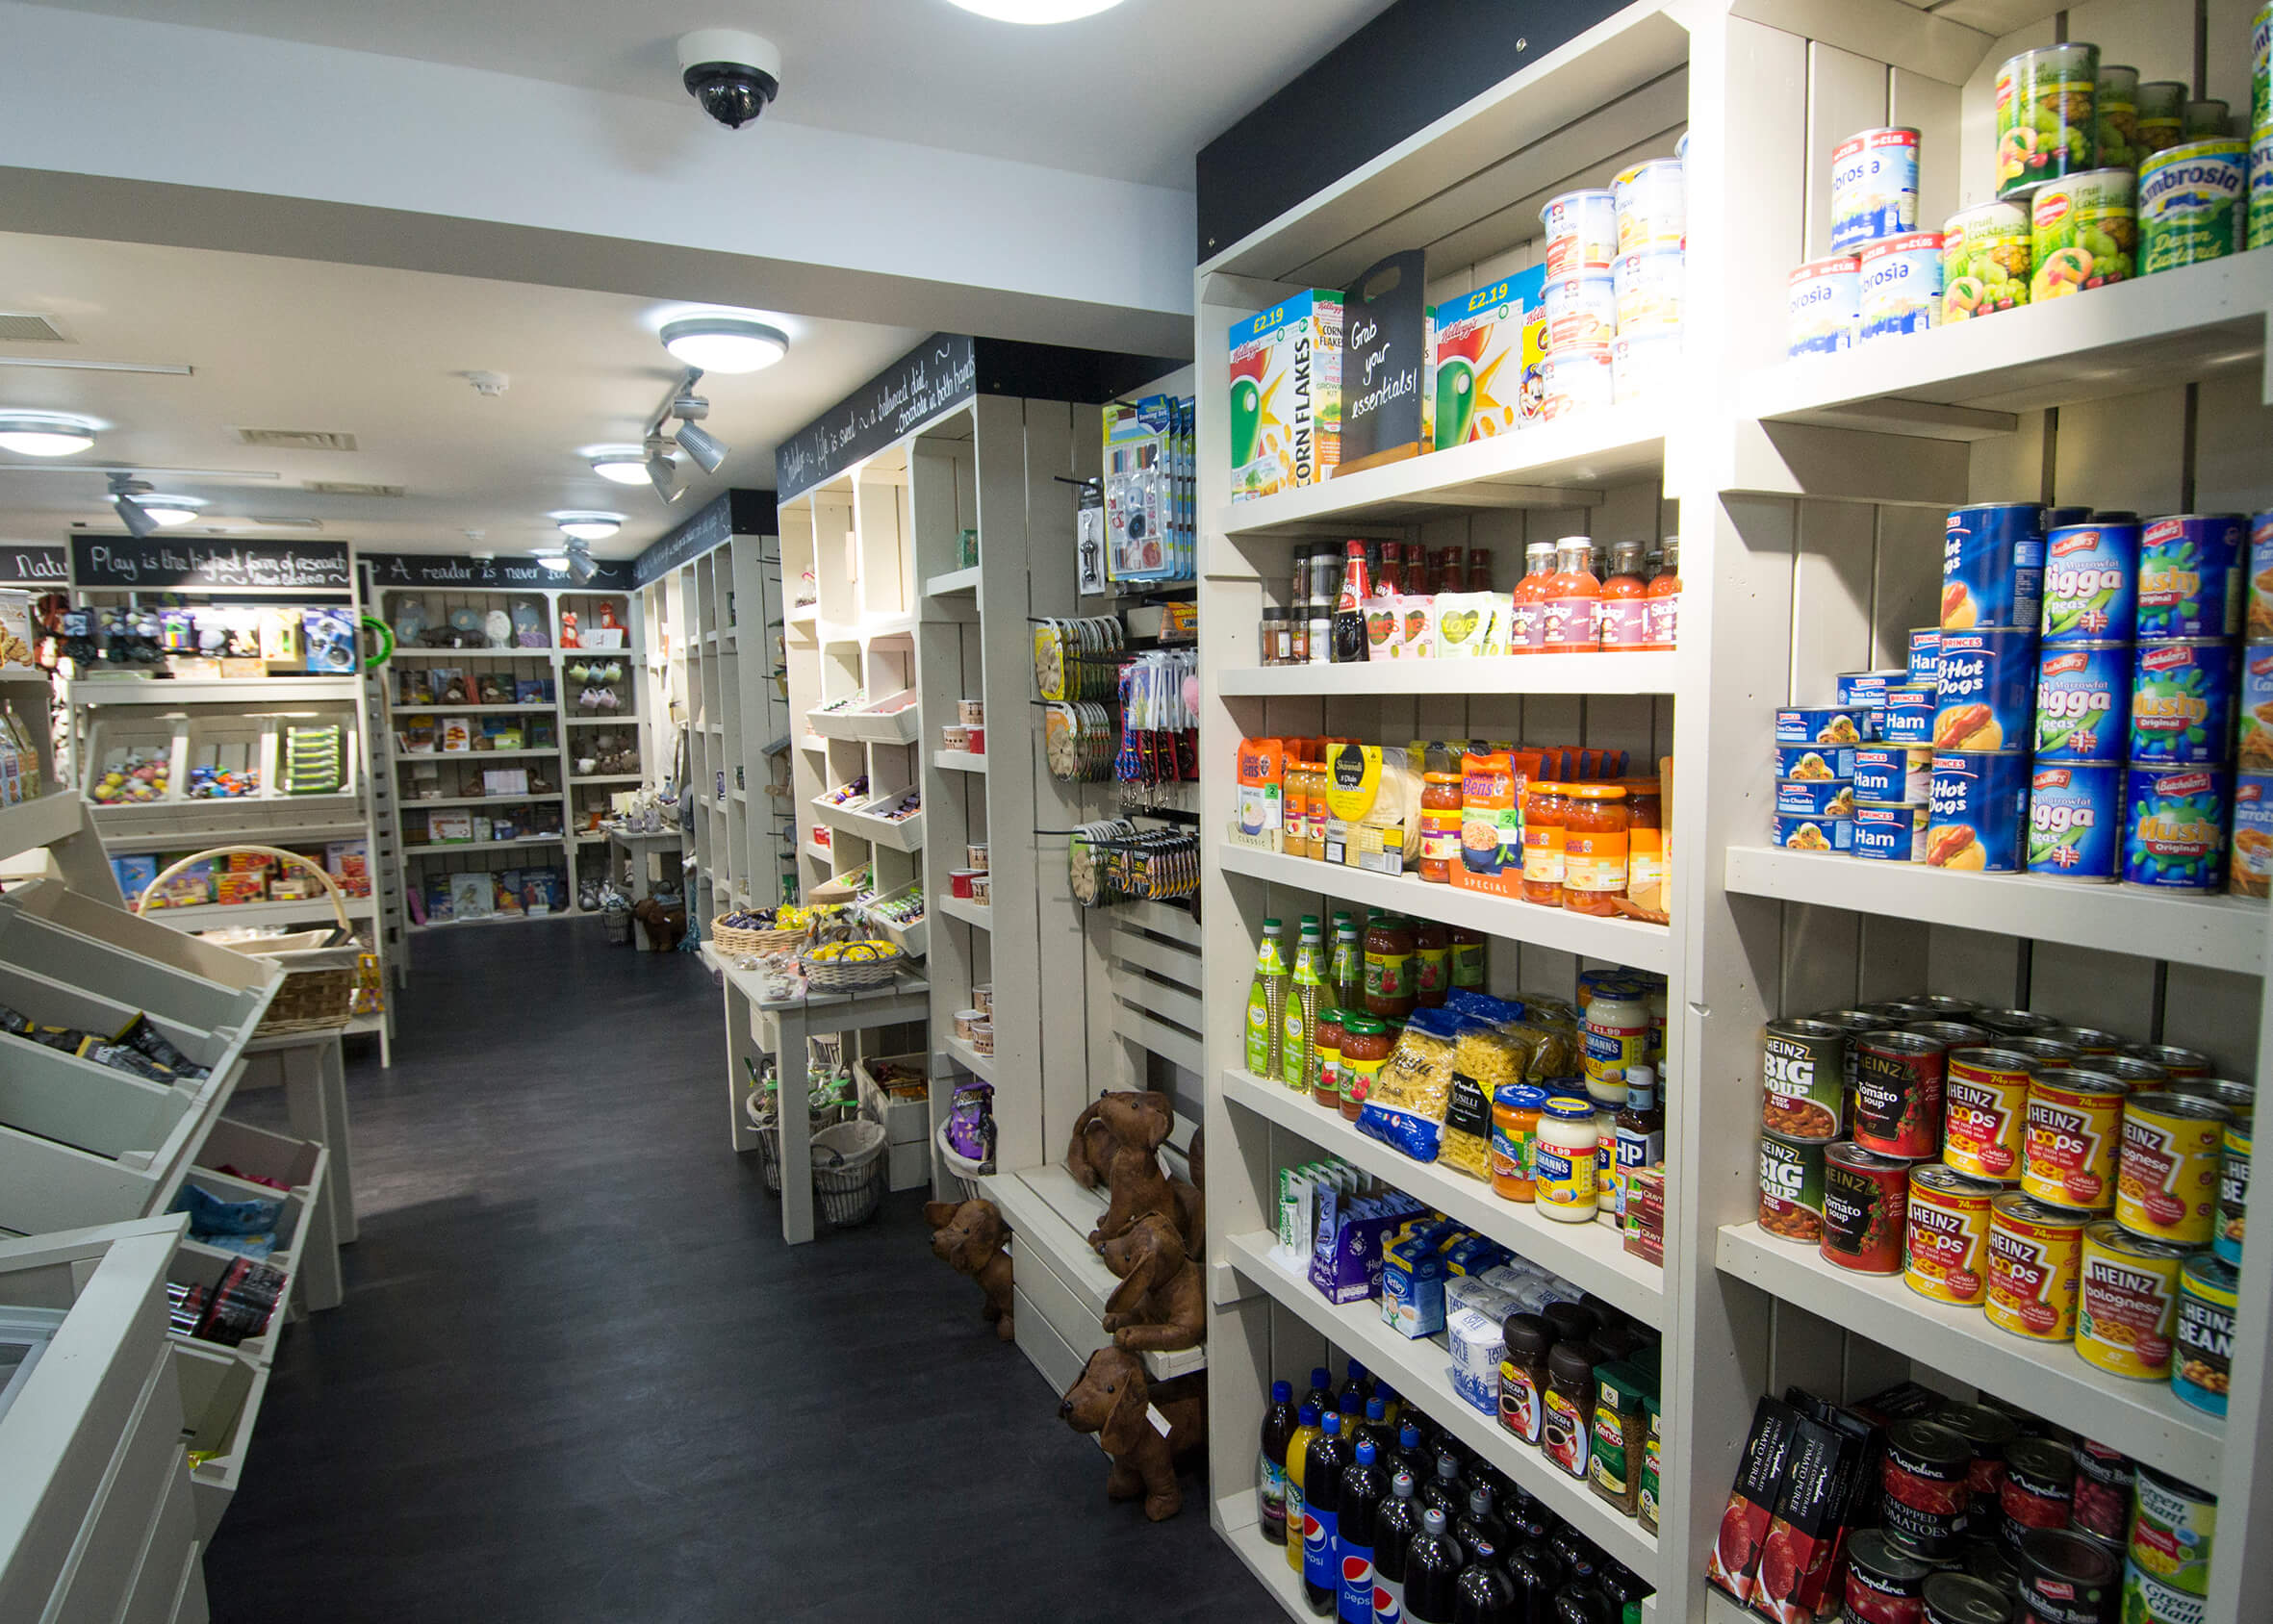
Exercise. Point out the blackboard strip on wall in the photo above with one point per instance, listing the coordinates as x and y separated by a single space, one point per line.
23 564
166 564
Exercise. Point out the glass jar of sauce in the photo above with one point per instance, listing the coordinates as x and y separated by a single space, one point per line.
1596 824
1432 963
1366 1044
1543 844
1389 944
1514 1129
1468 958
1440 826
1645 860
1326 1090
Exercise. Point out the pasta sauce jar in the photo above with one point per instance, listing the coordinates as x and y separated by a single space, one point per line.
1365 1046
1543 808
1440 826
1594 842
1514 1129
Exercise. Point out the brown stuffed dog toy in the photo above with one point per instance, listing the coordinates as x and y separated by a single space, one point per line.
968 1238
1157 1308
1112 1400
1139 1125
1088 1157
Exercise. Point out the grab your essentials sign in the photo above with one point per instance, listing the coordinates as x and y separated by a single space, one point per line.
122 561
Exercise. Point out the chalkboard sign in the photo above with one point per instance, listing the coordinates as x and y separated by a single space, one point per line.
1384 331
938 374
732 513
442 571
158 563
24 565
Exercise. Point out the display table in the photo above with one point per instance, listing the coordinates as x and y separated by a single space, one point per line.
758 1024
635 848
311 1072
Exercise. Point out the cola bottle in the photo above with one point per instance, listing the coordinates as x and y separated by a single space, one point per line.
1322 1517
1482 1595
1413 1454
1531 1583
1395 1525
1445 1492
1483 1536
1376 1430
1356 1382
1432 1572
1321 1390
1362 1489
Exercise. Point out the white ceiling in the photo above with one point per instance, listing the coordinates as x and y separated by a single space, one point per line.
378 353
1132 93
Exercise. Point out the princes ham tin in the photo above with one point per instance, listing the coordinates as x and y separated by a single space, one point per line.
1986 1091
2167 1178
1979 803
2068 1146
1992 565
2127 1302
1893 774
1926 656
1947 1255
2190 576
1866 1209
2036 1260
1885 834
2182 700
2076 821
2174 822
2091 583
2083 701
1988 689
1908 716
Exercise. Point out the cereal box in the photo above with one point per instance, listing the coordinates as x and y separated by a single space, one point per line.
1286 395
1488 349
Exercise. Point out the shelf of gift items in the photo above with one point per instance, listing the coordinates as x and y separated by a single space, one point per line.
617 719
124 842
525 840
216 916
486 653
958 761
481 800
609 778
952 583
209 691
40 820
960 1052
544 707
1582 674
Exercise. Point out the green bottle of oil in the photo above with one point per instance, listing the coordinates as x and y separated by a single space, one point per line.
1267 1003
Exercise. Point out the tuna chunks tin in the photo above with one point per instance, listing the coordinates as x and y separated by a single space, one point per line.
1809 833
1894 775
2076 821
1992 565
1824 724
1814 761
2174 835
2091 583
1979 803
1814 797
1867 688
2191 575
1888 833
2182 700
1987 688
2082 700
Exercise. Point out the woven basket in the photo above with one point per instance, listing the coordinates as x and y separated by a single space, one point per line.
849 1172
320 974
837 976
751 944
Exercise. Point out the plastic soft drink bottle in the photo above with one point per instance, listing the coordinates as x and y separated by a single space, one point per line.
1484 1595
1306 1429
1321 1517
1362 1489
1394 1405
1279 1422
1414 1455
1357 1380
1395 1525
1532 1587
1483 1537
1444 1492
1432 1572
1376 1430
1321 1391
1266 1004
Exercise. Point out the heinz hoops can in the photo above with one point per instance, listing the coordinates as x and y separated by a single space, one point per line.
2036 1259
1947 1256
2075 1127
1986 1102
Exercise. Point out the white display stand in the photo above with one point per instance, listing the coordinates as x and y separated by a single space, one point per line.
1808 497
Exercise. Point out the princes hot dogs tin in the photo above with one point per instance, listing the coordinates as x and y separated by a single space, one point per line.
1992 565
2091 583
1908 716
1814 797
2076 819
1824 724
2191 575
1979 803
1987 688
2182 700
2082 700
1889 835
2174 835
1894 775
1815 761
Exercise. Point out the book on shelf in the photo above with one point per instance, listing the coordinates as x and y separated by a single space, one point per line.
472 896
504 781
449 825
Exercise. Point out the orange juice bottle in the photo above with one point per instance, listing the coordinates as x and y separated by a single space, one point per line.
1663 611
1623 617
1573 597
1527 619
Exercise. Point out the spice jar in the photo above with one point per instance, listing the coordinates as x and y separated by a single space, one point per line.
1468 958
1326 1088
1522 1375
1514 1129
1543 808
1432 963
1440 826
1276 641
1566 1429
1389 942
1366 1044
1595 828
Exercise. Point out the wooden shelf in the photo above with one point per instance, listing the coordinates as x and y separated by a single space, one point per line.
2143 1419
953 582
36 821
216 916
252 691
406 758
906 835
980 914
1535 673
609 778
1238 1526
2224 932
958 761
526 841
614 719
410 802
1621 941
484 653
970 1059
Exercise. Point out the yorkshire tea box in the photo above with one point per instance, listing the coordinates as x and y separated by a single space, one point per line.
1488 347
1286 395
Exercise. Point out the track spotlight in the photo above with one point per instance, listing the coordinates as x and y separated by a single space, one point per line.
581 567
725 343
45 434
706 451
661 469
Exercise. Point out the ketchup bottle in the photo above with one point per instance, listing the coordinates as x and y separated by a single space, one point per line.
1573 596
1623 618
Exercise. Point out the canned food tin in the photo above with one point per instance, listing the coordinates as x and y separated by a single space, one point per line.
1988 689
1648 288
2076 821
1581 231
1652 204
1823 306
2174 1061
2127 1302
1819 762
2202 1355
2256 231
2162 114
2253 752
1985 260
2118 111
2140 1077
1874 186
1992 565
1885 1583
2260 565
2166 1180
2241 1099
2065 1579
1824 724
2182 700
2172 1527
1959 1598
1908 716
1943 1007
2091 583
1990 1431
1888 834
2233 1193
1978 807
1803 1076
1901 285
1953 1034
1926 656
2261 68
2103 1482
1808 833
1925 1476
1867 688
1857 1022
2190 204
2190 576
2148 1600
1576 379
1946 1256
1986 1557
2044 1052
2083 233
1814 797
2087 1040
2206 118
1894 776
2013 1023
2038 1489
1791 1188
1866 1199
2175 827
2075 1127
2047 116
1898 1094
1986 1091
1645 364
2035 1255
2083 701
1581 309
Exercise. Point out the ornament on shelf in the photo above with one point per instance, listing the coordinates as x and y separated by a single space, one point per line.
568 630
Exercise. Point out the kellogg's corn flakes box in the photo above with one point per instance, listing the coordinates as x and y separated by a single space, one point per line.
1286 395
1488 347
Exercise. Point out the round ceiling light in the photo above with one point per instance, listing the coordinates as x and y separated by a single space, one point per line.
1037 11
620 465
556 561
725 343
587 527
45 434
165 511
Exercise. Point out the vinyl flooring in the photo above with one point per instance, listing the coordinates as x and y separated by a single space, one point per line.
579 1377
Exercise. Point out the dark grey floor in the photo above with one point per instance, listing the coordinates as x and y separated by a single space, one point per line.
577 1376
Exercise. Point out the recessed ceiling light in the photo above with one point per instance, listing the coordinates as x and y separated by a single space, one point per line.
169 511
556 561
725 343
587 527
621 465
45 434
1037 11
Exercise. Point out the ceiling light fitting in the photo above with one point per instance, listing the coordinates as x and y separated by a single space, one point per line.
587 526
581 567
45 434
171 511
700 446
556 561
620 465
131 514
1037 12
725 343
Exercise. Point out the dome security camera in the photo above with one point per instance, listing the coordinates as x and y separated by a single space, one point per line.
730 74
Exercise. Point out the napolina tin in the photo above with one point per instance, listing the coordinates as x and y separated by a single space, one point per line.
1987 688
2091 583
1986 1102
1887 833
2083 701
2074 1128
2167 1178
2036 1256
2175 826
2127 1302
1947 1253
2191 575
1977 805
1992 565
2076 821
1926 1475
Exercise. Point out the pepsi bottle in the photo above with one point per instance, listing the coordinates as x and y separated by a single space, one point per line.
1444 1492
1531 1583
1321 1390
1413 1454
1395 1527
1362 1489
1321 1518
1376 1430
1482 1595
1432 1572
1359 1382
1482 1536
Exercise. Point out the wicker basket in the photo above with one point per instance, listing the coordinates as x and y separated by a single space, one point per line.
841 976
849 1172
321 968
961 1171
740 943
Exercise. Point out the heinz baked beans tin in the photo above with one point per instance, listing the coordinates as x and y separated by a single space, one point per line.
1986 1096
2074 1129
2241 1099
1803 1073
1866 1199
2035 1257
2167 1179
1947 1252
2203 1351
1792 1189
2233 1193
2127 1302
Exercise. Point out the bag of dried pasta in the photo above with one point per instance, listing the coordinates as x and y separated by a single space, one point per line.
1485 1058
1405 1107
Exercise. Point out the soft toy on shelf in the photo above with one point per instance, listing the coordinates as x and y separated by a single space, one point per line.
1140 1124
968 1238
1115 1401
1157 1308
498 627
568 630
607 617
